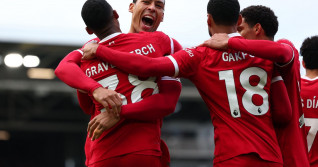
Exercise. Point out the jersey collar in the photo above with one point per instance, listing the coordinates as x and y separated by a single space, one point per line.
110 37
234 35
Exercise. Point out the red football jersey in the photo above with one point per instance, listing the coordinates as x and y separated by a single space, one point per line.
235 86
128 136
309 95
292 138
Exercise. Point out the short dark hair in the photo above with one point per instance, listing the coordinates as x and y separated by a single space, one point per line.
224 12
262 15
134 1
97 14
309 51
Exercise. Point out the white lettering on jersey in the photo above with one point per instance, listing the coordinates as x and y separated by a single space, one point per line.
145 50
101 67
312 103
229 57
189 52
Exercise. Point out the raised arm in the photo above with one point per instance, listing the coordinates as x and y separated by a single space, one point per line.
131 63
156 106
70 73
274 51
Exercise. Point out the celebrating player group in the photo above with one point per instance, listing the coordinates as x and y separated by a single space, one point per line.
262 111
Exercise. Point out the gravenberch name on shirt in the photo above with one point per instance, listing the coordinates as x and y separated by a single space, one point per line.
104 66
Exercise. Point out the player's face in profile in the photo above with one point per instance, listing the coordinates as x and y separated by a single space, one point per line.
246 31
147 14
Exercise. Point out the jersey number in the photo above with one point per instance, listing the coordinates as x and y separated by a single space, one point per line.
251 90
313 124
112 82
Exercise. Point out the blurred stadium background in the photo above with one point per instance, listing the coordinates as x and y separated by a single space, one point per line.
41 123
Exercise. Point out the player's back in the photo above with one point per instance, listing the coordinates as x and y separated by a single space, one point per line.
309 95
235 86
128 135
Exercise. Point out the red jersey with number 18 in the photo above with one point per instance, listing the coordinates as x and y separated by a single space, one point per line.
235 86
128 136
309 95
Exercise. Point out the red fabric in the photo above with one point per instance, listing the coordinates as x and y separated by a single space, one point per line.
309 95
280 104
131 135
248 160
165 158
136 64
68 67
129 160
292 138
259 48
216 74
156 106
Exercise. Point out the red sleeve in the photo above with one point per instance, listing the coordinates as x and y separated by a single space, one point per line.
85 103
70 73
136 64
265 49
280 104
176 46
156 106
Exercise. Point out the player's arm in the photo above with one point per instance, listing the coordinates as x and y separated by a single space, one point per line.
132 63
156 106
70 73
85 102
280 104
274 51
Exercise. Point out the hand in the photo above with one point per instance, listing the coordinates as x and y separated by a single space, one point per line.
89 51
100 123
217 41
110 99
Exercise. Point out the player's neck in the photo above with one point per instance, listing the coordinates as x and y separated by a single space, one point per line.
107 32
224 29
311 73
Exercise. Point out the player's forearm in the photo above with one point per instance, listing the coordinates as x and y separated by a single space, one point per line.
280 103
156 106
70 73
85 103
265 49
136 64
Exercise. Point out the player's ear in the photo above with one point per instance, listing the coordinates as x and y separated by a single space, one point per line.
131 7
258 29
239 21
89 31
210 20
304 65
163 16
116 16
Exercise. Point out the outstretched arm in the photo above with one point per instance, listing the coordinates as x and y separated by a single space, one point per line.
70 73
265 49
156 106
276 52
131 63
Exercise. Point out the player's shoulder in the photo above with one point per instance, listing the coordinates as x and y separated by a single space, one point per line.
286 41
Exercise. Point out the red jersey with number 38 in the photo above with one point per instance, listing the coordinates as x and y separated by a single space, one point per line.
235 86
128 136
309 95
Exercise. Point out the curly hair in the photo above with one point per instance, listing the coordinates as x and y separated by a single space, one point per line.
262 15
309 51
